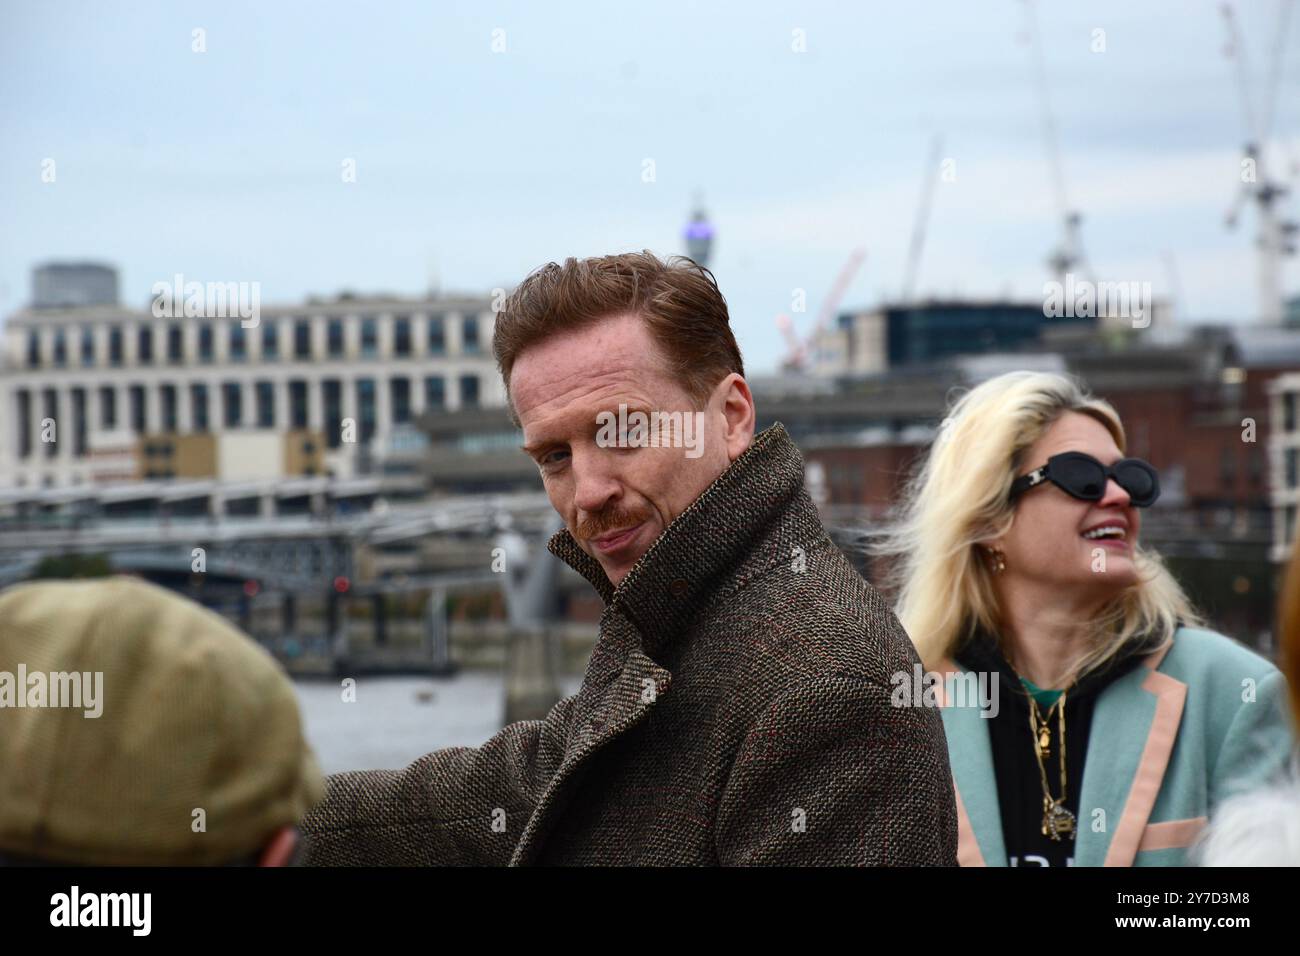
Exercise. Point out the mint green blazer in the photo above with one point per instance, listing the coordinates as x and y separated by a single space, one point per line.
1194 723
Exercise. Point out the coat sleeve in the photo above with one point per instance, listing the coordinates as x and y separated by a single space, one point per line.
1258 744
463 806
834 775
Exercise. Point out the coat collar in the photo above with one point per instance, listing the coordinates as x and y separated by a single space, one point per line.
1137 734
970 753
725 530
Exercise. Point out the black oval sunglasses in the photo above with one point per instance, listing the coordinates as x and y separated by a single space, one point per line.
1084 477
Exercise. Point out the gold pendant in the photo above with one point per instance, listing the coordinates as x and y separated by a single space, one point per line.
1044 740
1057 820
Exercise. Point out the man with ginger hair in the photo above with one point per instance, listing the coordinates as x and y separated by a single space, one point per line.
736 707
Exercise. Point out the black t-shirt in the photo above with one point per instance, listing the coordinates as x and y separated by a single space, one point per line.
1015 766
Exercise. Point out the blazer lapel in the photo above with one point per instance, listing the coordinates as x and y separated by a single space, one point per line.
627 701
979 821
1133 730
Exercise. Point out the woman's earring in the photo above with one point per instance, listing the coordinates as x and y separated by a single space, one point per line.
997 560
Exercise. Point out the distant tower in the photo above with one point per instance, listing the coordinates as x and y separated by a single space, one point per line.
699 235
66 285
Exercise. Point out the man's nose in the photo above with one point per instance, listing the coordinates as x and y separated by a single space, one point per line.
595 482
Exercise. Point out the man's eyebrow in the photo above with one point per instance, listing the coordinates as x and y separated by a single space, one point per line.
533 447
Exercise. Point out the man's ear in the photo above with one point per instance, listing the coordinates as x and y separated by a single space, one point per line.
736 404
279 851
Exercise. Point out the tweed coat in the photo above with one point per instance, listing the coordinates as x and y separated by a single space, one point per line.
735 710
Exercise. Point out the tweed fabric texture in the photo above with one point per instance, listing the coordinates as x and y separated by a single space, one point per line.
194 715
735 710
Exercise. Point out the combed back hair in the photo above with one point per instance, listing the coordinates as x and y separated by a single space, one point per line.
960 496
678 300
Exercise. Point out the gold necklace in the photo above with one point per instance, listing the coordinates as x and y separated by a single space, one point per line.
1057 820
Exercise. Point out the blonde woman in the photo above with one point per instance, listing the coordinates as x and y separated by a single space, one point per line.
1114 722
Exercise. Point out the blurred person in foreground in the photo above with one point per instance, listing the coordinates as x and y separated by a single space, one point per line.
1262 828
1120 723
736 707
149 732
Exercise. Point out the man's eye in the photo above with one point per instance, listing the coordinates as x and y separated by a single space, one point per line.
552 458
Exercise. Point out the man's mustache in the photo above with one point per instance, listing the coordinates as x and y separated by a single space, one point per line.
611 519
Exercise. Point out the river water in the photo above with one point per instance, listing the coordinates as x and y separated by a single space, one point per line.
394 720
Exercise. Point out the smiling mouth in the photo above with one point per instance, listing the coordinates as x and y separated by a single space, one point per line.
1109 531
615 540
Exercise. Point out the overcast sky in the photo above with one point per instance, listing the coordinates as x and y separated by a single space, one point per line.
475 166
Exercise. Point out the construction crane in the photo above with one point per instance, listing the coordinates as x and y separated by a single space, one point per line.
1276 236
922 219
797 349
1068 256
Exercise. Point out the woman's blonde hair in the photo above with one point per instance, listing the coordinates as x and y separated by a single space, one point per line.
961 495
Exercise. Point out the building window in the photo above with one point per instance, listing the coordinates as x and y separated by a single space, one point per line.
334 338
60 348
399 393
51 412
402 336
87 346
24 423
144 345
369 338
265 404
199 406
167 407
238 343
1228 466
1255 469
469 333
469 391
365 409
332 401
1293 467
136 398
205 342
435 392
175 343
115 346
1289 402
79 422
437 336
107 407
298 404
232 398
270 341
302 339
33 350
